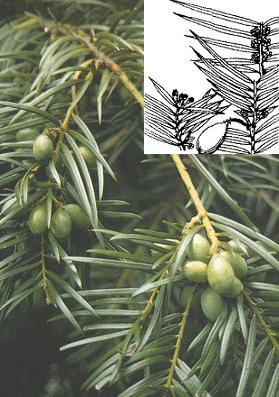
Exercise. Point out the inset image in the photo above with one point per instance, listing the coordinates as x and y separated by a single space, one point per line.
211 78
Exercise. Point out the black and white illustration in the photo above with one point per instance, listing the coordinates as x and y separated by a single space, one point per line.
211 82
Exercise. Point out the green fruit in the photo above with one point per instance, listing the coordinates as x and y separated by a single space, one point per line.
87 155
199 248
38 220
61 224
238 263
27 134
211 304
42 148
78 217
196 271
236 289
239 266
238 247
220 274
186 293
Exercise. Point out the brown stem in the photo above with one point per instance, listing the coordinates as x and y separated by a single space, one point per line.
202 213
182 326
87 42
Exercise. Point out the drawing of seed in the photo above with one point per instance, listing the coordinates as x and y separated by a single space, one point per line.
212 138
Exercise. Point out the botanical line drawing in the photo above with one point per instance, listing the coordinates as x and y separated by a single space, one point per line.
245 83
176 121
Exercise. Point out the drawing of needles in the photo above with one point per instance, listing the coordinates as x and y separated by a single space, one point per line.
176 119
249 84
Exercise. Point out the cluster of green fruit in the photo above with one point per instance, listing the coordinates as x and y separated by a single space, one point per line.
68 216
222 271
62 221
43 147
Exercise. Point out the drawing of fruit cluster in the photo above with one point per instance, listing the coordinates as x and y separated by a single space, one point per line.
245 82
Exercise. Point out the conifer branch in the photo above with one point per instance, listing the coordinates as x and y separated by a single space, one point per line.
99 56
270 334
182 326
136 305
202 213
44 272
72 109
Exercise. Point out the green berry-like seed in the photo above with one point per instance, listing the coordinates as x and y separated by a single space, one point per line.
61 224
238 247
42 148
38 220
220 274
211 304
236 289
196 271
87 155
78 217
27 134
238 263
199 248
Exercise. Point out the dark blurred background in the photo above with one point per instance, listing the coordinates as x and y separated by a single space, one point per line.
31 364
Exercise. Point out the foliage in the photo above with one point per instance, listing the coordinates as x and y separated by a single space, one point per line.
176 122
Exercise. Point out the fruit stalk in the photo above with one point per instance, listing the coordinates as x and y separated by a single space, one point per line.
44 271
202 213
70 112
168 384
